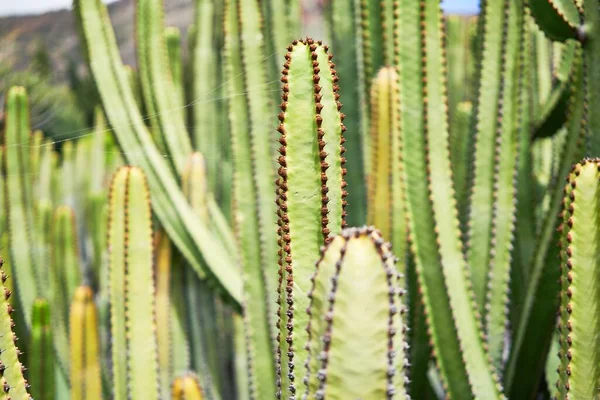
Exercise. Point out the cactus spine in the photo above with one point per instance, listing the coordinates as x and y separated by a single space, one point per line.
579 377
356 272
84 347
131 294
311 163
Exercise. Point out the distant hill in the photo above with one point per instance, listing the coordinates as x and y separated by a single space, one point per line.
20 35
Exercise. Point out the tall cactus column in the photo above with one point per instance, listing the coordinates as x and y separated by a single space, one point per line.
254 215
310 194
454 327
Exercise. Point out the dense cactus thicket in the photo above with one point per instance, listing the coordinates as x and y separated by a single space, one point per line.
195 243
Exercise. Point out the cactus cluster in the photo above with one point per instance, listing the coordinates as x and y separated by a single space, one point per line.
194 244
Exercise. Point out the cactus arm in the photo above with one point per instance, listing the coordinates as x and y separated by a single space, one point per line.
240 361
41 353
14 383
84 347
162 97
356 270
306 218
252 186
116 284
558 19
387 204
435 238
591 50
190 236
579 376
180 350
17 192
490 116
552 114
66 258
186 387
205 87
173 44
140 323
343 31
539 308
163 311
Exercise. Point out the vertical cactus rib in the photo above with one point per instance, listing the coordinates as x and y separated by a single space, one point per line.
205 85
454 327
207 255
559 19
18 197
310 206
162 272
579 376
254 211
84 347
131 294
174 53
161 96
369 56
387 203
493 197
41 353
341 17
531 337
11 369
591 53
356 273
186 387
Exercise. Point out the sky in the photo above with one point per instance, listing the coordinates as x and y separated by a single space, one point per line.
12 7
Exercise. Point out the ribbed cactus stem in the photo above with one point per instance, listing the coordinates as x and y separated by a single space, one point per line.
131 288
579 376
41 353
173 43
356 286
186 387
454 327
14 385
17 194
311 193
84 347
387 197
251 122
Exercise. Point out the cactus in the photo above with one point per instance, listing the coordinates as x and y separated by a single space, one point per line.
13 383
311 162
133 325
18 199
190 236
173 43
579 377
254 211
186 387
41 352
84 347
356 273
387 205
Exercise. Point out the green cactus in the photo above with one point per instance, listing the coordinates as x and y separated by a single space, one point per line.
579 352
14 385
173 43
133 324
41 352
254 211
186 231
18 198
311 163
387 201
84 347
355 274
454 325
186 387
